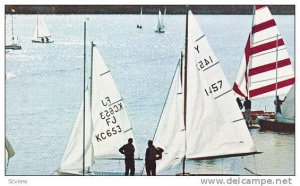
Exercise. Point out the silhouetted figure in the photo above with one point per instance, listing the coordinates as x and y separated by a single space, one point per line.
152 154
239 102
47 39
42 40
278 104
128 151
247 105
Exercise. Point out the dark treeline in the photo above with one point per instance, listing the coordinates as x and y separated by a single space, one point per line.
147 9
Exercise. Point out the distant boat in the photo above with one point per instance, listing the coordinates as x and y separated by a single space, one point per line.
141 21
9 152
11 40
41 34
106 125
266 69
200 119
160 25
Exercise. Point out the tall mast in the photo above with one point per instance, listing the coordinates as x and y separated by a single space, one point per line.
12 28
250 57
91 77
185 86
276 77
37 27
84 59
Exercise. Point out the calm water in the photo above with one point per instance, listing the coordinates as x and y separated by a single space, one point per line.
44 86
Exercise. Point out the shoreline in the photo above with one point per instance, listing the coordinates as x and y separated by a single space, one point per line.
147 9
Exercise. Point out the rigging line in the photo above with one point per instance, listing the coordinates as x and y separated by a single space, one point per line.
265 53
178 63
116 102
211 66
222 165
254 163
84 68
223 94
166 98
104 73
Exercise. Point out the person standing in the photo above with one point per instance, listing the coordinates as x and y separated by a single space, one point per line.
278 104
152 154
128 151
247 105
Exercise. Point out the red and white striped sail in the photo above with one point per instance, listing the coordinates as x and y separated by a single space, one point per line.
266 65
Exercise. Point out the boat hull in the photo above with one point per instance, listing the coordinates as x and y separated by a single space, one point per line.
272 125
159 31
13 47
37 41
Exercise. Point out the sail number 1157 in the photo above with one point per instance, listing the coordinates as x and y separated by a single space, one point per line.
214 87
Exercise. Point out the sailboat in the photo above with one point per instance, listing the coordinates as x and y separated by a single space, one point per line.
9 152
106 125
141 22
160 25
200 119
266 69
41 34
10 38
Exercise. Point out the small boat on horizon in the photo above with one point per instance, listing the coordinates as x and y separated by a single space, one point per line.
141 21
11 40
160 24
41 34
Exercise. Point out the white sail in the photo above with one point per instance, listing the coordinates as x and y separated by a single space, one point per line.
41 34
266 67
107 126
111 124
170 134
42 28
72 160
9 152
160 24
215 125
9 39
142 19
288 108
